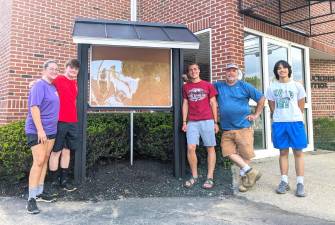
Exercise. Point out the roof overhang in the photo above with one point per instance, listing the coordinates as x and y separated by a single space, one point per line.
133 34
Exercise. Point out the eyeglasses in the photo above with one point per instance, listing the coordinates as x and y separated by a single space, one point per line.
52 69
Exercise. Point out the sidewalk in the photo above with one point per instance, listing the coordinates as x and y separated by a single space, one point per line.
319 185
259 206
154 211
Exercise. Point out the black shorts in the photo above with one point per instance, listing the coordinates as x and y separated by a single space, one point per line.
67 136
32 139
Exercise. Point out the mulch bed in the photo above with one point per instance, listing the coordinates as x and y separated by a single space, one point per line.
146 178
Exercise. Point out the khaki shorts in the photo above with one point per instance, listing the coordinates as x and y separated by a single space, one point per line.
239 142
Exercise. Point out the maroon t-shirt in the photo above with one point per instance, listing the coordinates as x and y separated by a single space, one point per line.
198 96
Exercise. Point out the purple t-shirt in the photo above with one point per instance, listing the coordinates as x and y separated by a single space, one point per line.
45 96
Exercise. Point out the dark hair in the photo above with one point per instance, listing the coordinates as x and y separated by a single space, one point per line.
192 64
284 64
73 63
48 62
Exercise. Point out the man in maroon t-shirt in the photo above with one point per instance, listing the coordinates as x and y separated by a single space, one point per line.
199 120
67 135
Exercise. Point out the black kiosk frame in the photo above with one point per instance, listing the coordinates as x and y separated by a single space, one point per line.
88 32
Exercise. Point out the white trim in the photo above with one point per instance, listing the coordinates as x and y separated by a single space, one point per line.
265 39
209 30
276 39
135 43
171 79
148 107
267 117
309 100
133 10
203 31
90 75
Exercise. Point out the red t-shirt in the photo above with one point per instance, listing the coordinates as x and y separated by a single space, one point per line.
198 96
67 90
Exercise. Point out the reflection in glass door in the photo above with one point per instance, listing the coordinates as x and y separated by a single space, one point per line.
274 54
254 75
299 75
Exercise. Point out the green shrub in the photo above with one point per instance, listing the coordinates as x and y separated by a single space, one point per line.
15 155
153 134
107 137
324 130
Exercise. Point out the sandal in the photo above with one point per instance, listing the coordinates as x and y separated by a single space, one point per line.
209 184
191 182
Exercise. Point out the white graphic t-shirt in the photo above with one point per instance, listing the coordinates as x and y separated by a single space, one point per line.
286 96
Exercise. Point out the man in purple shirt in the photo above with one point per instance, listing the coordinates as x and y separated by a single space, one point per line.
41 129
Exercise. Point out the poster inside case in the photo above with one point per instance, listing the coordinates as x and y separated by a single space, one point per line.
130 77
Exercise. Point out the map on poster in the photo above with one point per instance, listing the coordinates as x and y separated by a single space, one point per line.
130 77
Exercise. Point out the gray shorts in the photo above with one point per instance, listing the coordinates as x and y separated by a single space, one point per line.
203 129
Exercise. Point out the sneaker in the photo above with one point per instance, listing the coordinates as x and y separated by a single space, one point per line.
53 190
283 187
45 197
32 207
300 192
252 175
68 187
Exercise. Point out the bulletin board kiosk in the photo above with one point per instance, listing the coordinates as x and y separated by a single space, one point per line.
129 66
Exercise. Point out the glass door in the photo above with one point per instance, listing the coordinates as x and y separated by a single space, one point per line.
261 52
299 74
254 75
273 52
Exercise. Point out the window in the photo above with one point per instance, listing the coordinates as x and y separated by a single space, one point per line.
275 53
201 56
253 75
298 66
261 52
253 61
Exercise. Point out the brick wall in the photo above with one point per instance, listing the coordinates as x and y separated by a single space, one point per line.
221 16
41 30
320 9
33 31
323 99
5 15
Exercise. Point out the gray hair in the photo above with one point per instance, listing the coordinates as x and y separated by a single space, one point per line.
48 62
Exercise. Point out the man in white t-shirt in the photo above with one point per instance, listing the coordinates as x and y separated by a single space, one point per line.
287 100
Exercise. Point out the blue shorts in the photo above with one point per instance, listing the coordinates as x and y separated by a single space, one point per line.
289 134
203 129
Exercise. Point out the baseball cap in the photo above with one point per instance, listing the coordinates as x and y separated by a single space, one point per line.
231 65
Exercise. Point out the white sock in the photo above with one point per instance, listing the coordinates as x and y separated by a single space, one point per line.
246 168
284 178
242 173
300 179
40 189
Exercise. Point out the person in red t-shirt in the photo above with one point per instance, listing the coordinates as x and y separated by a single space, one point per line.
67 135
199 120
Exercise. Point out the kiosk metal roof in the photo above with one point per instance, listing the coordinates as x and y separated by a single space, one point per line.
133 34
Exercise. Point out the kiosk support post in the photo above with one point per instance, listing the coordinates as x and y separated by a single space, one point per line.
80 154
179 141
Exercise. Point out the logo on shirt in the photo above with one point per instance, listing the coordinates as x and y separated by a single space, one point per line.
283 98
196 94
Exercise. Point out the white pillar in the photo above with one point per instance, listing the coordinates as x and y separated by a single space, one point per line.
133 10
